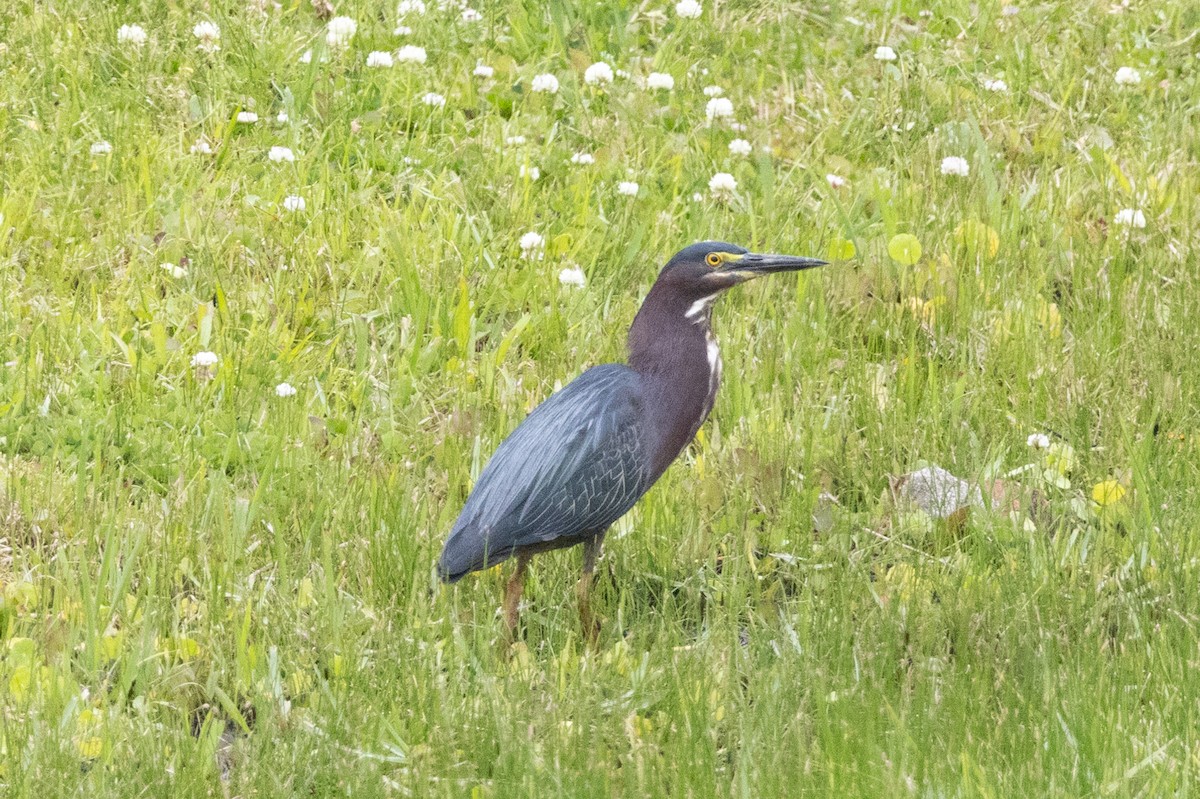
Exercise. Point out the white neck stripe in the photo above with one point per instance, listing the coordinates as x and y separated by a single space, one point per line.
698 307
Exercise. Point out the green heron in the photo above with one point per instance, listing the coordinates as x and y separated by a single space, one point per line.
588 453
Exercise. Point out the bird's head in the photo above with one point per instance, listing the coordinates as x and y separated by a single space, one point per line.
706 269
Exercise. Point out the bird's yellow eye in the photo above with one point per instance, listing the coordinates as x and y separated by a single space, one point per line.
713 259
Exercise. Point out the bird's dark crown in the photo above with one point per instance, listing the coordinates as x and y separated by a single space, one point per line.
696 253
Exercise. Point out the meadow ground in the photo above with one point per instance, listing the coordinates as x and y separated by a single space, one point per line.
212 584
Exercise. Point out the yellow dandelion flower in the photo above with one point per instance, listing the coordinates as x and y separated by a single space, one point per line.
977 238
1108 492
1050 319
90 748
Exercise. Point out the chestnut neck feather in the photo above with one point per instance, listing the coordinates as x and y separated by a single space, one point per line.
671 347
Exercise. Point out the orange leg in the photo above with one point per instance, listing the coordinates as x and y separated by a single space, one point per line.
512 595
583 590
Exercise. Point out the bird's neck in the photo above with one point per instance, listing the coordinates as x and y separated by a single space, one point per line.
672 348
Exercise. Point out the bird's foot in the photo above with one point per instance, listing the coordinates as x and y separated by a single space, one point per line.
591 634
589 624
511 628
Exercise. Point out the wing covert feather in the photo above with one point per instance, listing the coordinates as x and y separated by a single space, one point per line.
576 464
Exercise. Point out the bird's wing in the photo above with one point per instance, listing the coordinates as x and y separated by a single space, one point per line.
571 469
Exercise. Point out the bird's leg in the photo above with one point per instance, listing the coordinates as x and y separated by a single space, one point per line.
512 595
591 625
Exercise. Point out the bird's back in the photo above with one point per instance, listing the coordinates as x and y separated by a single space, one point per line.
576 464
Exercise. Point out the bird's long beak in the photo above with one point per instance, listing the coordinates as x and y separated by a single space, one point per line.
753 264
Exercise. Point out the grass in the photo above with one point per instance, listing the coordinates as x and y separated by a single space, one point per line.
206 588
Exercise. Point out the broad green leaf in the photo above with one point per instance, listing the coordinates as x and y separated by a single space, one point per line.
904 249
21 650
559 245
19 682
158 336
841 250
510 337
462 319
204 322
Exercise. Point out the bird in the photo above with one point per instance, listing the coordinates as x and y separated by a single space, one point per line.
581 459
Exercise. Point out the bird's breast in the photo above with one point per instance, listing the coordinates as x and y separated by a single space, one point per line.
680 395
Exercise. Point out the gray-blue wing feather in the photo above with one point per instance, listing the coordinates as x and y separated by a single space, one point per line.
576 464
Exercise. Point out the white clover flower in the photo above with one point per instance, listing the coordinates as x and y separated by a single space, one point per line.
280 154
835 181
209 36
544 83
688 9
660 80
514 141
282 117
410 7
996 85
294 202
598 74
247 117
1130 217
627 188
885 53
531 245
132 35
531 172
434 100
483 71
471 15
174 270
402 30
697 197
306 57
572 277
340 31
1038 441
411 54
285 390
955 165
378 58
740 147
1128 76
713 91
204 359
201 147
718 108
722 185
583 159
101 147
